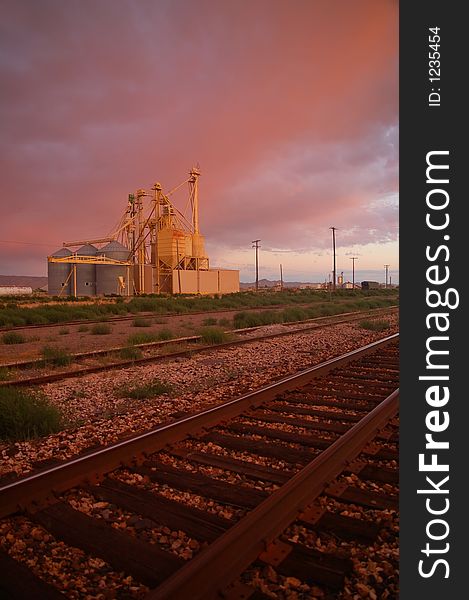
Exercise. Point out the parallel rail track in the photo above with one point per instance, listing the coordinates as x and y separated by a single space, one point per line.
315 423
143 314
130 317
319 323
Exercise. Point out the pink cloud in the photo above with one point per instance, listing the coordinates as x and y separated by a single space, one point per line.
291 111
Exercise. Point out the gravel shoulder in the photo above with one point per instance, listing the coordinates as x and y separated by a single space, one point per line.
99 413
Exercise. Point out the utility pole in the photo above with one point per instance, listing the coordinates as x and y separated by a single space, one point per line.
353 259
256 246
333 249
386 267
281 278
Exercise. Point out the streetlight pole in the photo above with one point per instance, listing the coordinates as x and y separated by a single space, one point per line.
353 259
386 267
256 246
333 249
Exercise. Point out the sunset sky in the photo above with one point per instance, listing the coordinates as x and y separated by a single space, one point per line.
290 108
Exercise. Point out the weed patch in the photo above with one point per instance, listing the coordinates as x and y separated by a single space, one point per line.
213 335
141 322
130 353
11 337
101 329
378 325
148 390
57 357
209 321
24 416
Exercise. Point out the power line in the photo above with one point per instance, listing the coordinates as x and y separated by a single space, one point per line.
30 243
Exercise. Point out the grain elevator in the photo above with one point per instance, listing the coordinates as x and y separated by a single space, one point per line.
155 248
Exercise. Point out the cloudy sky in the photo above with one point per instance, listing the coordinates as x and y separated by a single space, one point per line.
290 108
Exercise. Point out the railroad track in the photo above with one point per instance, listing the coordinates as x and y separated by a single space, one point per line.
130 317
318 323
118 319
190 508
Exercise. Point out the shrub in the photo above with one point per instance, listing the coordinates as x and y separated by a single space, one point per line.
378 325
24 416
64 331
83 328
213 335
4 374
245 319
140 338
130 353
165 334
224 322
58 357
295 313
147 390
141 322
209 321
101 329
13 338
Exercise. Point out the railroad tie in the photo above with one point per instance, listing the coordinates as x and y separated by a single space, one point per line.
144 561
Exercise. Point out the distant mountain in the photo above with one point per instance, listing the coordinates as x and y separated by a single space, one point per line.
267 283
23 280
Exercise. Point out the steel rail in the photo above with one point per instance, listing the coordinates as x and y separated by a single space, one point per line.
211 571
351 316
41 379
41 487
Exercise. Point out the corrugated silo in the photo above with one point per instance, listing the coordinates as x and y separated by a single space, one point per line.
57 274
107 276
86 273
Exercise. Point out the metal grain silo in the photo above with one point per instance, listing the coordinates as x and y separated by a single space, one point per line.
58 280
107 276
86 273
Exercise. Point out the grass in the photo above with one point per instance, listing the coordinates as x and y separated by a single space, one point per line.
83 328
213 335
224 322
130 353
5 374
13 338
165 334
141 338
64 331
147 338
101 329
293 314
378 325
209 321
69 309
58 357
147 390
24 416
141 322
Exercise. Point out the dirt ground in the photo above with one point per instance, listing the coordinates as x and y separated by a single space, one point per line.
77 341
72 340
